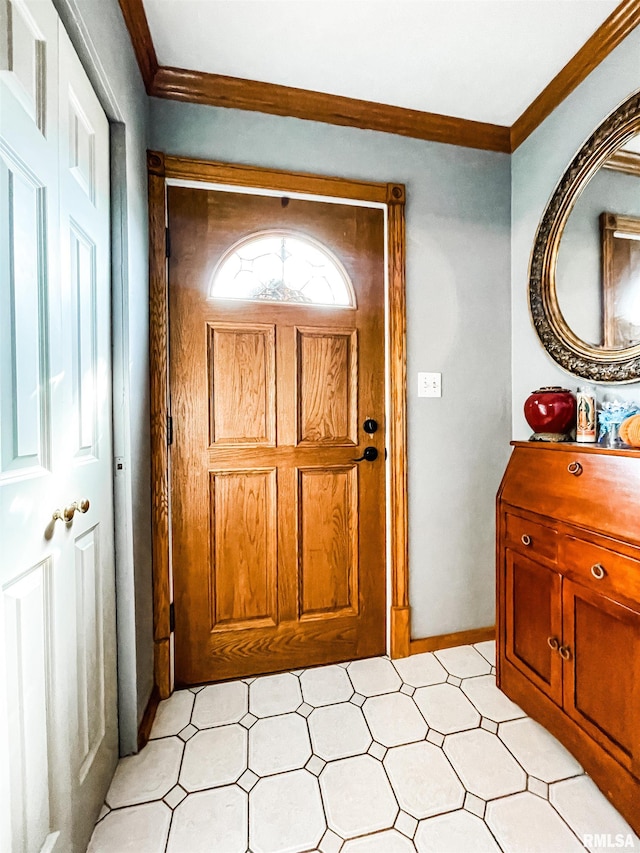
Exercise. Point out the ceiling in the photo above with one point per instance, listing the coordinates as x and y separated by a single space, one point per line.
481 60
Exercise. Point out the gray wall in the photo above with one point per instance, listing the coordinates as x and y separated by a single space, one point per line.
458 305
97 29
536 168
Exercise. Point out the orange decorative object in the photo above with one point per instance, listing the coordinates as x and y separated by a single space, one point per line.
630 431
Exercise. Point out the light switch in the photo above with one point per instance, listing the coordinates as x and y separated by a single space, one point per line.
429 385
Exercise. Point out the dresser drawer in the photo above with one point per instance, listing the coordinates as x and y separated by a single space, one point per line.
604 570
595 490
530 537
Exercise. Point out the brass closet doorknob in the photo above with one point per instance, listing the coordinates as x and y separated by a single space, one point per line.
68 512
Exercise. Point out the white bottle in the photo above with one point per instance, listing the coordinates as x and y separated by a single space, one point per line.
586 416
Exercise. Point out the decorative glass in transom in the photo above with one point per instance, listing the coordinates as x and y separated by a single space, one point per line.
277 267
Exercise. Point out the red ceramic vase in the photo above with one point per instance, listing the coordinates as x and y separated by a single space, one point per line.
551 411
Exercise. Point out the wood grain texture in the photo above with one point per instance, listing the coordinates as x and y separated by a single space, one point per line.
449 641
243 394
397 323
158 378
585 595
400 632
146 724
329 559
330 530
217 90
244 564
258 177
627 162
608 36
328 382
138 26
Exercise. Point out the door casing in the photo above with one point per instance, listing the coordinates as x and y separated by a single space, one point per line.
163 168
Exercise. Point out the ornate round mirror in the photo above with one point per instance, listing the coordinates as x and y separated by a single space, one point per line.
584 285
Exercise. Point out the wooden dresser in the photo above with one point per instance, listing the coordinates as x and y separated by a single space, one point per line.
568 578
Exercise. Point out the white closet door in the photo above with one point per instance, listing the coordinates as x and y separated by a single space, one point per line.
57 620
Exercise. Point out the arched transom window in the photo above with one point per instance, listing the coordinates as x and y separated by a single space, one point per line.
278 267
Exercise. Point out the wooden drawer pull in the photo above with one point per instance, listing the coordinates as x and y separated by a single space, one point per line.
553 644
565 652
526 539
574 468
598 571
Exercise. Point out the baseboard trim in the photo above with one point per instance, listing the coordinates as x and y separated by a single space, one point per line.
144 731
447 641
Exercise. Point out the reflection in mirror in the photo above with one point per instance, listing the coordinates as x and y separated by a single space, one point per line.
598 264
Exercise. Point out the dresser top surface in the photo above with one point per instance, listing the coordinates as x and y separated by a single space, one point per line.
574 447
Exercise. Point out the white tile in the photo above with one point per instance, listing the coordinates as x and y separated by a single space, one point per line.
325 685
474 805
377 750
406 824
274 694
247 780
357 699
247 721
104 811
173 714
175 796
539 752
220 704
453 679
446 708
211 822
407 689
187 732
278 743
435 737
487 650
304 710
138 829
214 757
525 822
331 843
149 775
456 832
423 780
489 725
286 813
374 676
537 787
483 764
338 731
421 670
357 796
390 841
588 812
490 701
463 661
394 719
315 765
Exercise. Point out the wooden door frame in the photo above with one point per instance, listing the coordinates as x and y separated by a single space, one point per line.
162 167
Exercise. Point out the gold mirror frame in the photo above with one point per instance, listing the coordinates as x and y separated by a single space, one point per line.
598 364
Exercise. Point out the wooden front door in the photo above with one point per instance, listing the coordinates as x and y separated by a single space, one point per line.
278 533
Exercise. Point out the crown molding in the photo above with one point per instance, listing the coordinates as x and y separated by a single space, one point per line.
608 36
136 20
235 93
220 91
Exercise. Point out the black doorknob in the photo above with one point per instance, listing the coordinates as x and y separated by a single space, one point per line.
370 426
369 455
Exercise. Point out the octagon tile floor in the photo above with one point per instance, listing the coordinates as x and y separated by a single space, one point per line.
423 754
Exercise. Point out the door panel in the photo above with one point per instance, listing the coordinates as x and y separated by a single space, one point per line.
278 534
598 631
534 616
58 717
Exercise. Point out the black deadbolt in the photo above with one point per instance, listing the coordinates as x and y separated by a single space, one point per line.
370 426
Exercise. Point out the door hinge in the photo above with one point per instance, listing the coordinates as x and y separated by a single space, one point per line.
167 242
169 429
172 617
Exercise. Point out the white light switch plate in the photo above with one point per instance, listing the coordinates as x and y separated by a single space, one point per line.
429 385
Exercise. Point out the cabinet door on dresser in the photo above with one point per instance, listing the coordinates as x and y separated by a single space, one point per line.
602 673
533 622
